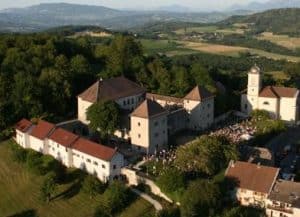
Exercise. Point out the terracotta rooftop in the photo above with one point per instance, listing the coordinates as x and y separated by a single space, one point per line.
198 94
111 89
278 92
42 129
63 137
252 176
286 192
23 125
164 98
148 108
94 149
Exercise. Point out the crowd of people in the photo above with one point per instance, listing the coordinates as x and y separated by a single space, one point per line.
236 132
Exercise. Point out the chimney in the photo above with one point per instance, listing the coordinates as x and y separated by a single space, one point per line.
258 165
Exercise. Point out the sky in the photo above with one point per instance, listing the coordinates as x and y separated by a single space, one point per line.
134 4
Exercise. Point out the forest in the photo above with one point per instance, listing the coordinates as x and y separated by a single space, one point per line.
41 74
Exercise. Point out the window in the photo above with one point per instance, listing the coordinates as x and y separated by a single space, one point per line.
103 166
187 101
139 124
57 145
208 105
246 106
266 103
66 149
208 115
132 101
114 167
155 123
128 101
95 163
156 135
53 149
124 102
139 135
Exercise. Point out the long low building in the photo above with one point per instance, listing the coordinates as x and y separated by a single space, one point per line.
70 149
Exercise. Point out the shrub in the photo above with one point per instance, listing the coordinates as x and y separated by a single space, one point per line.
169 212
92 186
34 163
18 153
48 187
117 196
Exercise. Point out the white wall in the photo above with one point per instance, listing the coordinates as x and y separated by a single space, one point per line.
60 153
269 104
36 144
288 109
104 170
147 134
82 108
201 114
248 197
130 102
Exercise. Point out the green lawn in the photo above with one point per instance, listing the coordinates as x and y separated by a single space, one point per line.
19 192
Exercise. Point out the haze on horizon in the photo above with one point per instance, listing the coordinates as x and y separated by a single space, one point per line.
135 4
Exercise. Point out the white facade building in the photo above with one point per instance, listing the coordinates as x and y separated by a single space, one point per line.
23 128
99 160
149 127
127 94
281 102
38 137
70 149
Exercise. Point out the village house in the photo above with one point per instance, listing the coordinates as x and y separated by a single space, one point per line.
71 150
284 200
253 182
23 128
151 118
38 137
281 102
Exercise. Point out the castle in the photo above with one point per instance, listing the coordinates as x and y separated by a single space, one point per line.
150 118
281 102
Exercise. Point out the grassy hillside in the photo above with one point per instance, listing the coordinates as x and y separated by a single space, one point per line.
19 193
279 21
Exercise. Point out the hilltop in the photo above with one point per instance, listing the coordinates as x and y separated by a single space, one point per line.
278 21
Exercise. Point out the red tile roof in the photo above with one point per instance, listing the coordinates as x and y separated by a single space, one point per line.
94 149
23 125
198 94
111 89
63 137
42 129
148 108
278 92
252 176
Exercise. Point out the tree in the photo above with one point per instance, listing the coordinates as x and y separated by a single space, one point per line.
34 162
202 77
92 186
48 187
206 155
169 212
104 116
182 80
200 199
117 196
243 212
102 211
171 180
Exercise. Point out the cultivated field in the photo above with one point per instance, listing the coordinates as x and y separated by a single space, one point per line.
19 192
283 40
233 50
210 29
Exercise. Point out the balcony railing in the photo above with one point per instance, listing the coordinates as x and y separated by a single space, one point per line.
280 209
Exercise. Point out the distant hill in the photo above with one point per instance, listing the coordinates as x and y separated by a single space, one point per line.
45 16
279 21
271 4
